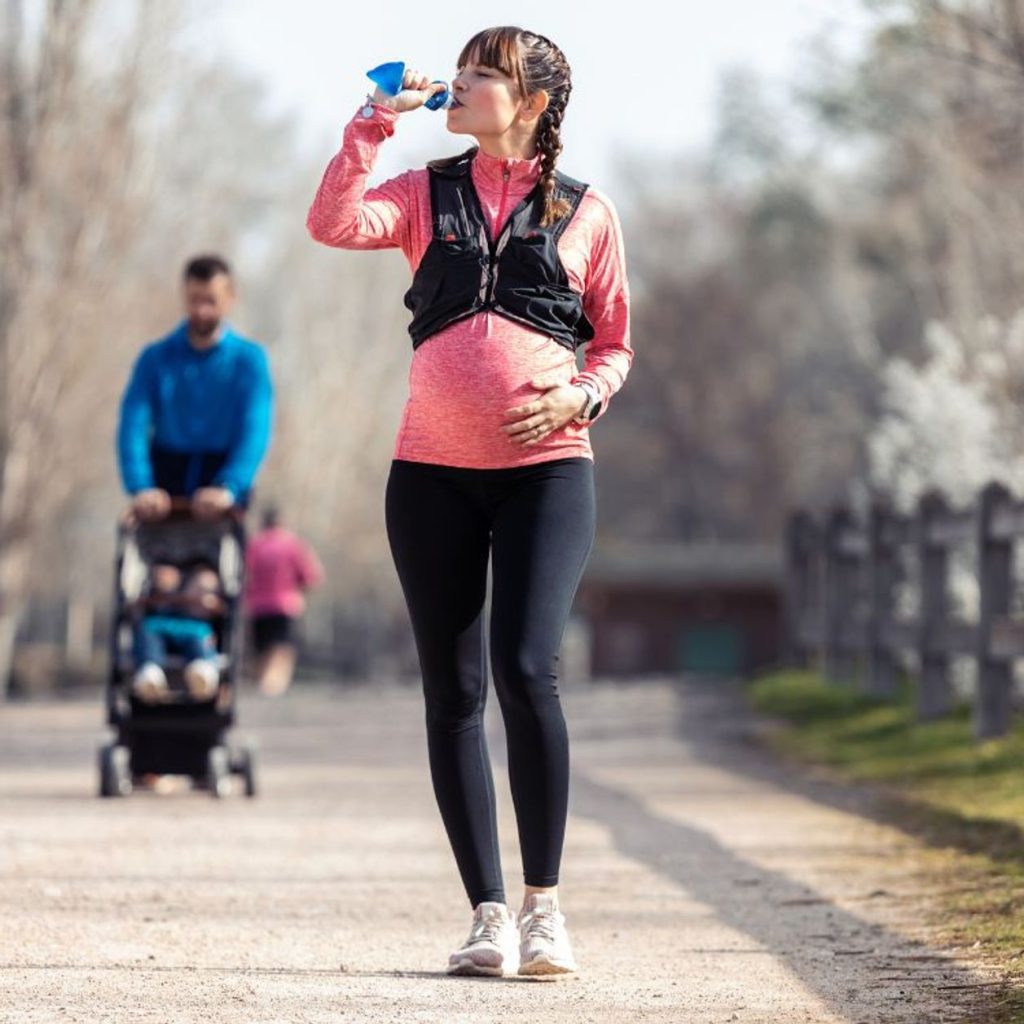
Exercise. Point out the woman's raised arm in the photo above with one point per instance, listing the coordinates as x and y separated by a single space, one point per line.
346 214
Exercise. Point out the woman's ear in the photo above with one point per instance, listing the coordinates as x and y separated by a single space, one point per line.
534 105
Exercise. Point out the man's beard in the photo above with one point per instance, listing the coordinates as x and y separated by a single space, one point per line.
203 328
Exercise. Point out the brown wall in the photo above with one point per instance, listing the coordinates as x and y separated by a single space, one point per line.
641 629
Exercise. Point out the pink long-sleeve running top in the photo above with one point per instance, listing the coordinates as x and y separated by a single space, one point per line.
279 569
464 378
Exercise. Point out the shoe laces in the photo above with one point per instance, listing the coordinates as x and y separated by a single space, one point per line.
487 928
541 924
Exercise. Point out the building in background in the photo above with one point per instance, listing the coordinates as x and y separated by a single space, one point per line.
700 608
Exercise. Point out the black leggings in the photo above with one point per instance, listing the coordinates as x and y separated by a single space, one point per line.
537 524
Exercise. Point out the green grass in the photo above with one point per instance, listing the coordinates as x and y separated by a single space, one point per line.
934 780
938 763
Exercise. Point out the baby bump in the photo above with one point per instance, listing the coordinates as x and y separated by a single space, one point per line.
475 375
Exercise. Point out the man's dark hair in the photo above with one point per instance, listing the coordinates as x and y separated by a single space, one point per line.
204 268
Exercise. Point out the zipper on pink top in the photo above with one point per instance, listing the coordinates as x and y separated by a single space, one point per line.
492 271
506 174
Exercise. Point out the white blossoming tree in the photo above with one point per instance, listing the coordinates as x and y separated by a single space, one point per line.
952 423
956 420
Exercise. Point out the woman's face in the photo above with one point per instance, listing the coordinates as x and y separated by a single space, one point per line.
487 101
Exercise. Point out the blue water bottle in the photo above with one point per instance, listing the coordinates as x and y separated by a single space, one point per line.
389 79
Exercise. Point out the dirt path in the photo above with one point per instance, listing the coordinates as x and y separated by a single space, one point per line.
700 885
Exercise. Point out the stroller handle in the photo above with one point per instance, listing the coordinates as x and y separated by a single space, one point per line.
181 508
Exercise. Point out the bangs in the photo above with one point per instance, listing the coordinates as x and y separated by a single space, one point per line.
496 48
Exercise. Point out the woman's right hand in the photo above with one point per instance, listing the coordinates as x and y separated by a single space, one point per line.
416 90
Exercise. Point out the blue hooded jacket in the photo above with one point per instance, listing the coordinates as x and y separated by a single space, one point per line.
194 403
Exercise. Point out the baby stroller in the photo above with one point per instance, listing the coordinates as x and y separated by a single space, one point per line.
179 735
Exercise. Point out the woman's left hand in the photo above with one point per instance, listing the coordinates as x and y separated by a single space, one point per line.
532 422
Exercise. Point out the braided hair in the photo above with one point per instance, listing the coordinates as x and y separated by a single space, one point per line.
545 67
534 63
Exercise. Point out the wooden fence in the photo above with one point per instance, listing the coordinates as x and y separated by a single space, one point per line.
844 577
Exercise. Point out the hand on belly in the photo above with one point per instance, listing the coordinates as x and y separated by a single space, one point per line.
531 422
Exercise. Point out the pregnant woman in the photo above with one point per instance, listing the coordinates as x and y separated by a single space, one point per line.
515 266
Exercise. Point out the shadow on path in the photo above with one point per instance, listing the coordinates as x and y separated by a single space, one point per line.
721 729
834 953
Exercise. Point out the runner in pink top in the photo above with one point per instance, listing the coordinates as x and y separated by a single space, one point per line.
515 265
279 569
466 378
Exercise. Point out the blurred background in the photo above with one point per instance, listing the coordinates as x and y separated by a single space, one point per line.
822 205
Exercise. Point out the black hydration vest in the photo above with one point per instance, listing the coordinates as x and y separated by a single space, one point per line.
518 276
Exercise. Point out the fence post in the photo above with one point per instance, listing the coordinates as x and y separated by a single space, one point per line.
838 661
935 693
995 568
881 662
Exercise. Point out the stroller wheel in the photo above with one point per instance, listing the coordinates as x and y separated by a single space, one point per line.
243 763
218 772
115 770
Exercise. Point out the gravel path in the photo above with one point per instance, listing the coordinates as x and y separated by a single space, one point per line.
702 881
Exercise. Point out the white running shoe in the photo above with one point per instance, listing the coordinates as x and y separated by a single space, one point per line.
544 943
201 678
150 683
493 944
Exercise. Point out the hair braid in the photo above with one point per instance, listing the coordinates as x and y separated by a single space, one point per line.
545 67
549 143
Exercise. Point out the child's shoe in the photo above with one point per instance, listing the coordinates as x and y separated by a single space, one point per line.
150 683
201 677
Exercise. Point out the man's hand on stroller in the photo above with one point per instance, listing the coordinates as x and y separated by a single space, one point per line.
152 503
210 502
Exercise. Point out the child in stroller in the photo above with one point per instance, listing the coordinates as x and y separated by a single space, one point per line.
175 616
175 650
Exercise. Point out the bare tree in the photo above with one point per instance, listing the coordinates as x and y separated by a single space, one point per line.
109 178
66 149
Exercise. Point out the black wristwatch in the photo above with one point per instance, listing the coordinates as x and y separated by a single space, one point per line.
592 406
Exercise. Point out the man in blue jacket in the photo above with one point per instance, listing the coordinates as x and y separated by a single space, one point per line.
196 415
